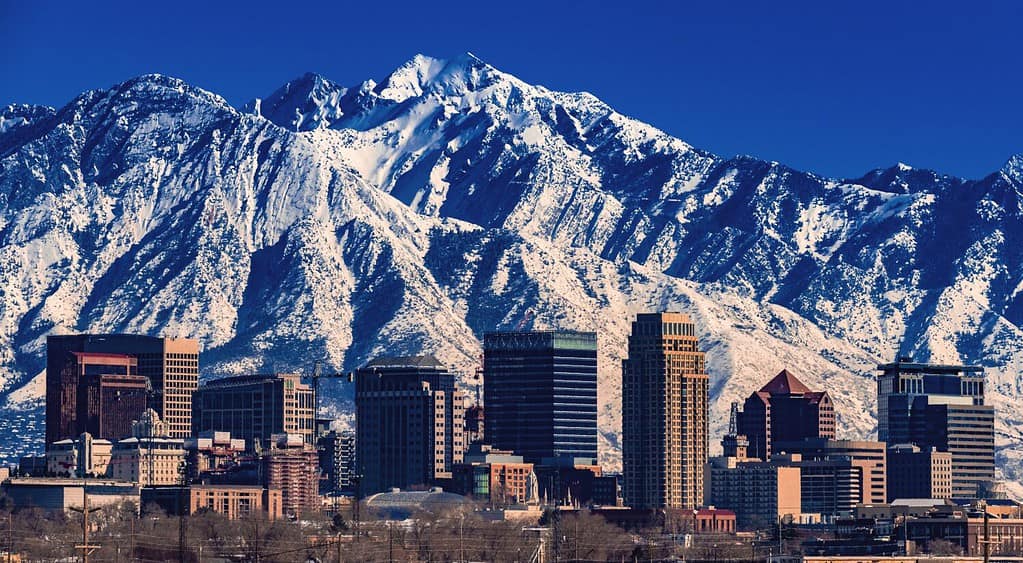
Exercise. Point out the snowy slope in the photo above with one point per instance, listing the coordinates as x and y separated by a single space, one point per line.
413 213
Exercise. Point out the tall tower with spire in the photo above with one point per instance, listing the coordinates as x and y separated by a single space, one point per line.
734 443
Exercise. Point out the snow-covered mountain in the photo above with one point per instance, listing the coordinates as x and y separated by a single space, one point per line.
413 214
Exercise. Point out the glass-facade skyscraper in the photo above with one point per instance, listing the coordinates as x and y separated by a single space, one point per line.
940 407
540 393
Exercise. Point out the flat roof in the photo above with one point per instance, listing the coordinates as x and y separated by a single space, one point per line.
929 368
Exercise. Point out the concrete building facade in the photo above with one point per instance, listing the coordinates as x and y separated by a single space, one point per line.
59 494
664 413
869 457
760 493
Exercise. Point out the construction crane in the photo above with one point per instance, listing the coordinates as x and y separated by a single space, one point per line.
315 378
477 378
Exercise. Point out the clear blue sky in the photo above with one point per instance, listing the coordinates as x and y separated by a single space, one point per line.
837 88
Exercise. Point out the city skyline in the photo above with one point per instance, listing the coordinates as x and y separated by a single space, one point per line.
527 282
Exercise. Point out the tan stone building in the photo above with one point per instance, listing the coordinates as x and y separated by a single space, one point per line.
232 501
759 493
869 457
150 457
664 413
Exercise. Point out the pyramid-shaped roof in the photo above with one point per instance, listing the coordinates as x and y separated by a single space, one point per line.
785 384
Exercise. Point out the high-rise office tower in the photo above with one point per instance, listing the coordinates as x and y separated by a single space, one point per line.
95 377
785 410
540 393
255 407
940 407
664 413
409 423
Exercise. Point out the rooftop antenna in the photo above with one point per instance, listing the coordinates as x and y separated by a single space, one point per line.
478 377
733 419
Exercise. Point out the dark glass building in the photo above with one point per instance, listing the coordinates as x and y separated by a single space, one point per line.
93 381
409 418
940 407
540 393
785 410
255 407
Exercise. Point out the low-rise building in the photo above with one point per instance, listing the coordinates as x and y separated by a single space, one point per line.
81 457
965 529
61 494
232 501
399 505
492 475
710 520
759 493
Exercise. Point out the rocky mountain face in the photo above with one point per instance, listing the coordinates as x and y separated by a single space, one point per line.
450 199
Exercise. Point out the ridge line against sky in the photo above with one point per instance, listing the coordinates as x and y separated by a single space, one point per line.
835 90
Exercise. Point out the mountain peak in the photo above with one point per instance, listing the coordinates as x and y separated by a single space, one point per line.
900 178
1013 169
308 102
463 73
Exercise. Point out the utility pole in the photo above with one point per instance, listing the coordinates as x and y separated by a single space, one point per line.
10 537
987 541
131 543
339 558
85 547
182 509
987 534
461 539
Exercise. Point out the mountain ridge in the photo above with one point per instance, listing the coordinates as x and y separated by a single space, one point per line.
450 198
